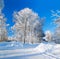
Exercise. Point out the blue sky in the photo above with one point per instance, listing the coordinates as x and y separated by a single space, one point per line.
42 7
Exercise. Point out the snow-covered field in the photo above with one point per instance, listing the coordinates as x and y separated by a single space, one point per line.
17 50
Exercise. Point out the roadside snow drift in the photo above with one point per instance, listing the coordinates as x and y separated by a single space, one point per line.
44 47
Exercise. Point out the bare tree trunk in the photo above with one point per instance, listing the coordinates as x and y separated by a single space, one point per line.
25 30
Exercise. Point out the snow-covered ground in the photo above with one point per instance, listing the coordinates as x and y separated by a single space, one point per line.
17 50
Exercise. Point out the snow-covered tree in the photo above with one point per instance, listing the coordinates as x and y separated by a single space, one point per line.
28 26
48 36
3 31
56 17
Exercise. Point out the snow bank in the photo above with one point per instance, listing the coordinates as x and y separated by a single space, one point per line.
43 47
15 45
56 50
10 45
49 49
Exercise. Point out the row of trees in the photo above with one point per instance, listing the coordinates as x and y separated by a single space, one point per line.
28 27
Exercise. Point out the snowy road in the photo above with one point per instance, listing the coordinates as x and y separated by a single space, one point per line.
42 51
31 56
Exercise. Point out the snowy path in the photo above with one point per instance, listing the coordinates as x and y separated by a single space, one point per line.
43 51
32 56
18 52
